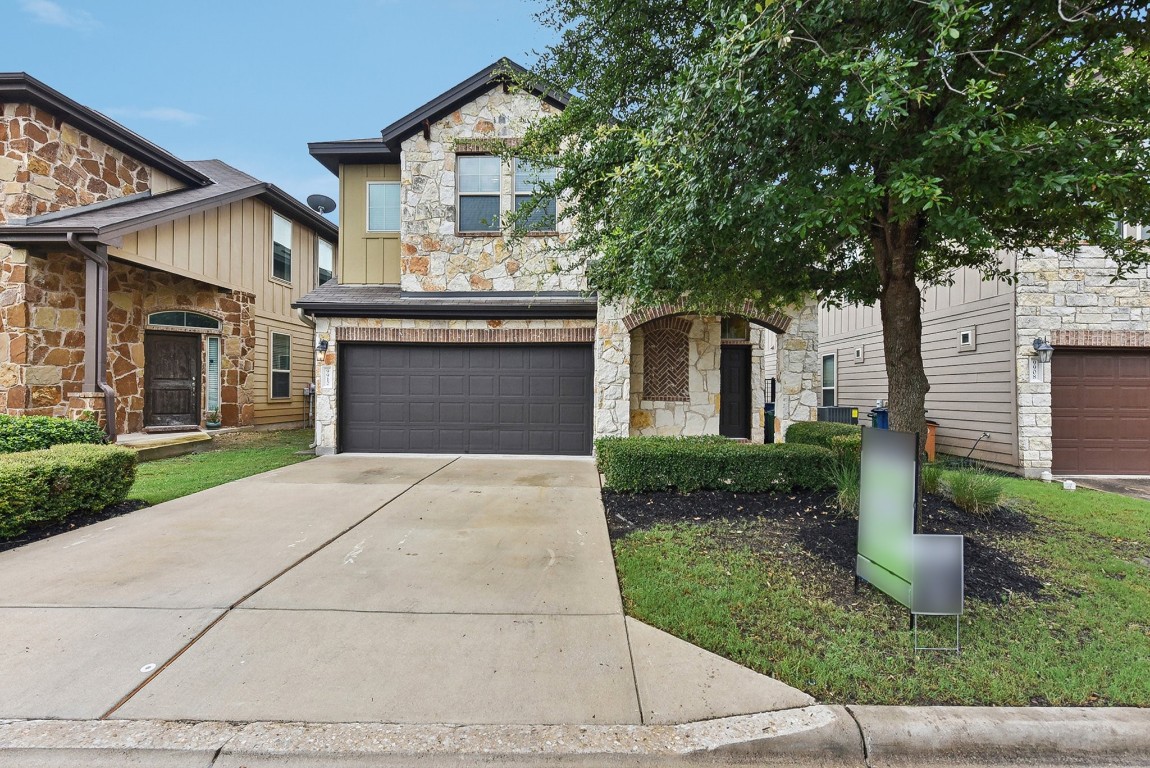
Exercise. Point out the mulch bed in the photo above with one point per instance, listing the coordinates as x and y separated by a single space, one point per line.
768 522
73 522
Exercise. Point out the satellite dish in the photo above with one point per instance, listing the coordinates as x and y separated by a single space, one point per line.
321 203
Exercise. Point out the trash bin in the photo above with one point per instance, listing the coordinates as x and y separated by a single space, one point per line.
931 429
769 423
880 418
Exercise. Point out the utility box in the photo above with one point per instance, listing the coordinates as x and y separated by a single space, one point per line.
839 414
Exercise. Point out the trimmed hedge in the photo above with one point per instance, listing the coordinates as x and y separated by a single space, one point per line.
819 432
688 464
48 485
33 433
848 447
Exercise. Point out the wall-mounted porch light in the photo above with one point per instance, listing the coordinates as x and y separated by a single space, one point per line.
1044 350
321 346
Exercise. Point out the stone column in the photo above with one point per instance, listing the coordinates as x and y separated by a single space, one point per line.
799 372
612 373
325 403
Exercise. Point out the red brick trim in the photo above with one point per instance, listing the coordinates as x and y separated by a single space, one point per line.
1073 338
777 321
468 335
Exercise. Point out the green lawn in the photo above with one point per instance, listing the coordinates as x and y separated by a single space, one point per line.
783 612
233 456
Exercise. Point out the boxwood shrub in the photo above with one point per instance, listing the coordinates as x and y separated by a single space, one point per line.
31 433
48 485
819 432
687 464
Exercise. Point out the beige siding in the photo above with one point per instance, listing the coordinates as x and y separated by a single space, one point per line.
290 410
364 257
971 392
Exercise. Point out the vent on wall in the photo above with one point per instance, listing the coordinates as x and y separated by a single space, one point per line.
967 339
858 354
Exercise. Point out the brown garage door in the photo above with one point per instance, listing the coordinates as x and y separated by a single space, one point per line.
1100 412
459 398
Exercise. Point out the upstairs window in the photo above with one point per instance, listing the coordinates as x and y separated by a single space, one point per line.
281 248
477 204
383 206
530 188
324 262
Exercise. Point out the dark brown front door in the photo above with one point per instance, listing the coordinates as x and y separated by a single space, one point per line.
1100 412
735 392
171 379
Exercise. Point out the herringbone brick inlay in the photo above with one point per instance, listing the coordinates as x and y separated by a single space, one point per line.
665 364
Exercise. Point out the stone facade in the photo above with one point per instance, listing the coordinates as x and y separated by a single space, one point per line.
42 337
433 256
48 165
1070 302
334 330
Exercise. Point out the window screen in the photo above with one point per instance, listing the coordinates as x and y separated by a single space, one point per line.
281 365
383 207
478 208
281 248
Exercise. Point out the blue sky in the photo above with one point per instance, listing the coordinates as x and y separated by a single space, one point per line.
252 81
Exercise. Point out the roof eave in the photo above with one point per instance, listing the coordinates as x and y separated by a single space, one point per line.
332 154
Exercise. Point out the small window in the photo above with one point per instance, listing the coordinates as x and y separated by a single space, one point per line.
281 365
967 340
736 329
281 248
213 394
478 204
324 262
383 206
184 320
828 380
530 185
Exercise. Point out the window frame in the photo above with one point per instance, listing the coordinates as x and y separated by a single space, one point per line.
318 241
460 157
290 249
516 195
834 387
213 346
367 206
273 370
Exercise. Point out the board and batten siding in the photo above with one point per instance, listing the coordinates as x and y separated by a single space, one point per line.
365 258
231 247
971 392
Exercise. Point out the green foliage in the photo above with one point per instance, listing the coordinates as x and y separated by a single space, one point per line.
30 433
47 485
820 432
978 493
846 475
848 447
931 479
687 464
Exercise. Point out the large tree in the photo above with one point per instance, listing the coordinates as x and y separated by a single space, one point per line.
857 149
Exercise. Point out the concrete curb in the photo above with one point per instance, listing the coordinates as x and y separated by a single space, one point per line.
900 736
810 736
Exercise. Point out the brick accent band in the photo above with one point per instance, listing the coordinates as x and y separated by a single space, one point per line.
1072 338
777 321
468 335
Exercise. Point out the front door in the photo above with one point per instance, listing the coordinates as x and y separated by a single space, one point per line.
171 379
735 392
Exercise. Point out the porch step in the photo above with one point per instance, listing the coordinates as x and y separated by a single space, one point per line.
149 446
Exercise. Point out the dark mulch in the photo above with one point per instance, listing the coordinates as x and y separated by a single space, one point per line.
767 520
78 520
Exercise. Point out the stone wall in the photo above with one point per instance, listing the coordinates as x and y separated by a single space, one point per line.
330 329
48 165
434 257
1055 297
42 337
699 414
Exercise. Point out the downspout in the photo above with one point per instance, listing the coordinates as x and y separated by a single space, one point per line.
303 316
96 327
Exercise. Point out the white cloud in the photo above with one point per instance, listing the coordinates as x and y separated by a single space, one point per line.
159 114
54 14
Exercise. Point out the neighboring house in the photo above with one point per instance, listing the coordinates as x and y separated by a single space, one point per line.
134 280
1087 411
440 334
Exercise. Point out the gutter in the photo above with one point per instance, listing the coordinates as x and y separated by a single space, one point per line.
96 327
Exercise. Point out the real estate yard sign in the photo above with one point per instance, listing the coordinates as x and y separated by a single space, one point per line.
886 511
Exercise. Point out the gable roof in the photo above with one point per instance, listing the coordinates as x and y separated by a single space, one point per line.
20 87
386 148
112 219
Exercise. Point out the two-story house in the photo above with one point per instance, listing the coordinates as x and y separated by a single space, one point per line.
139 284
441 334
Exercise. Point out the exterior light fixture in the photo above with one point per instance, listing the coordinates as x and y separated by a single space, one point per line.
1044 350
321 346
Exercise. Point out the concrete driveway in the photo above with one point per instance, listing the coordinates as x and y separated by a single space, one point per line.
402 589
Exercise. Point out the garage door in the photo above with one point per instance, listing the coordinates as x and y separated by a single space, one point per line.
523 398
1100 412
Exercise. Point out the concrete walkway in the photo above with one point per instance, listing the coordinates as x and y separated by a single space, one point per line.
446 590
